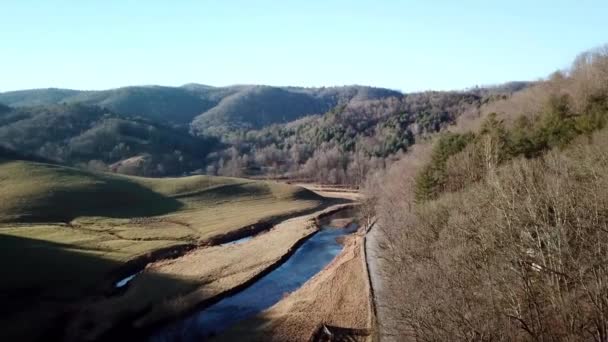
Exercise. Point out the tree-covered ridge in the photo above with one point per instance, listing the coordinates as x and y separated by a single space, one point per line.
565 107
209 109
96 137
265 131
504 218
344 143
36 97
4 108
169 104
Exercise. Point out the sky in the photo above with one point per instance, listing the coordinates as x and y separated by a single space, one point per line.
403 45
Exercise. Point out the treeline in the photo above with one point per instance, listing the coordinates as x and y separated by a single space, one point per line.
256 107
161 131
97 138
461 159
339 147
346 143
499 233
252 131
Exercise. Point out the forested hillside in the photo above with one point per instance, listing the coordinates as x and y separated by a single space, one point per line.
344 144
254 107
216 109
175 105
331 135
94 137
504 218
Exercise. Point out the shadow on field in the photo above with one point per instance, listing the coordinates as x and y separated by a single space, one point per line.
47 291
224 192
7 155
113 197
55 291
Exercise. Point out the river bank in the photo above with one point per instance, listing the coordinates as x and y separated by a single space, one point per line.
168 289
335 301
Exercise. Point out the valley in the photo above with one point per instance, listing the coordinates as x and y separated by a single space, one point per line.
347 171
71 235
81 250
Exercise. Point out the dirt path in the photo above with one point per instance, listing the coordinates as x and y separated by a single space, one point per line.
337 297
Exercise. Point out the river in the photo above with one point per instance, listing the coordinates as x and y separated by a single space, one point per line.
310 258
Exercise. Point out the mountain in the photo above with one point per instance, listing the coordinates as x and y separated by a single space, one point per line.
36 97
9 154
4 108
329 133
258 106
209 109
254 107
342 144
79 133
503 219
176 105
169 104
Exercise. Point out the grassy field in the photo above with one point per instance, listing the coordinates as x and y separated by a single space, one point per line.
64 230
199 275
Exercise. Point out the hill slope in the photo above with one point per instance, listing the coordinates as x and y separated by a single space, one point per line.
77 133
177 105
261 127
503 220
263 130
65 232
254 107
220 107
36 97
32 191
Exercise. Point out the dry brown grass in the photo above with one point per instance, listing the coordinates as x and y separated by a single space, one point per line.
332 191
95 222
515 252
337 296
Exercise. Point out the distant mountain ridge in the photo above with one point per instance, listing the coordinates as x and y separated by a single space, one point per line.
78 133
209 109
234 131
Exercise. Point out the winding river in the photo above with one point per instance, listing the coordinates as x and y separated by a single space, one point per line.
310 258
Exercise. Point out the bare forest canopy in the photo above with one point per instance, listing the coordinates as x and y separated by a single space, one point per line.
331 135
503 218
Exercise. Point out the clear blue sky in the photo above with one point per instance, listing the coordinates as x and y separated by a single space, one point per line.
404 45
